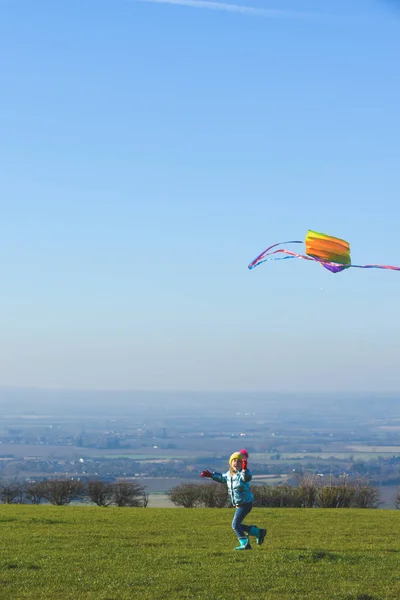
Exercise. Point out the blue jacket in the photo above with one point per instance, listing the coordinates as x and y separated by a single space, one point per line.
238 486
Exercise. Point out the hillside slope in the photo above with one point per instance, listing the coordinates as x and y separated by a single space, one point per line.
90 553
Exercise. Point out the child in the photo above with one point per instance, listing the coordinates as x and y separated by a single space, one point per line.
238 482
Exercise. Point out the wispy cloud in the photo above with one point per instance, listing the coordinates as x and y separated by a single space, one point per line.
237 8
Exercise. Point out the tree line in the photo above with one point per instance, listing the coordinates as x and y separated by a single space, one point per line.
310 492
60 492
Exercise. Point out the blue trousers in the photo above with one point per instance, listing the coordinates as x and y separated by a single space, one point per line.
241 513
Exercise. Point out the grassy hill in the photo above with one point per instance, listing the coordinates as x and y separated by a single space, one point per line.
84 553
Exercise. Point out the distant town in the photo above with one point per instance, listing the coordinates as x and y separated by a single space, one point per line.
161 446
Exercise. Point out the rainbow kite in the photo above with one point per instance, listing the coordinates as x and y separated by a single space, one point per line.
331 252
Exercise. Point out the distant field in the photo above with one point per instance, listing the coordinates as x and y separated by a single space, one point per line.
160 485
376 449
160 501
269 479
90 553
69 452
390 427
285 456
147 457
41 451
339 455
148 452
44 451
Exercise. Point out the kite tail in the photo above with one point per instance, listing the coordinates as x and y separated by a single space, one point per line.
262 257
330 252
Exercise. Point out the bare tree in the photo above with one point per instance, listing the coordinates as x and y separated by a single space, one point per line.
127 493
100 492
365 494
307 490
35 491
11 493
187 495
63 491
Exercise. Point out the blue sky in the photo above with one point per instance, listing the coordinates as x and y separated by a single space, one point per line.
150 150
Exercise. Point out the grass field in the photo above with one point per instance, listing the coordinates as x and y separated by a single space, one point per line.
116 554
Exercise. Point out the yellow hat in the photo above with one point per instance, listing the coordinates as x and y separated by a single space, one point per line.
235 455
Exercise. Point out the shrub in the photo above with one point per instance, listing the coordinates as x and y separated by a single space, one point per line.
276 496
334 496
187 495
100 492
35 491
313 492
343 493
62 491
214 495
307 491
127 493
366 495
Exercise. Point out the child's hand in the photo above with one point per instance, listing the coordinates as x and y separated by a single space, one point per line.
206 473
244 464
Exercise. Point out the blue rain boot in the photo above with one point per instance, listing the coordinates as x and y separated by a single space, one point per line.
258 533
244 544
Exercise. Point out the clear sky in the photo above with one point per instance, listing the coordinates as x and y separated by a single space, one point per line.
150 150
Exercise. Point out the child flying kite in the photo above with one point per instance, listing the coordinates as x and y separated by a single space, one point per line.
237 479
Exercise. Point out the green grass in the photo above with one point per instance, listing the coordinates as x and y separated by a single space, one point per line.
120 553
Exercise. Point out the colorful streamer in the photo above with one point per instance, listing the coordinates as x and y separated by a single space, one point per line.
331 252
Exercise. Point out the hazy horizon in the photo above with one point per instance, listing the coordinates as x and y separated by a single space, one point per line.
170 404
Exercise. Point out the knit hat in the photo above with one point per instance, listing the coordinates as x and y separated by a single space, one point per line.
235 455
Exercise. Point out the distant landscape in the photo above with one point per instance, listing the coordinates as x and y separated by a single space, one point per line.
162 439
